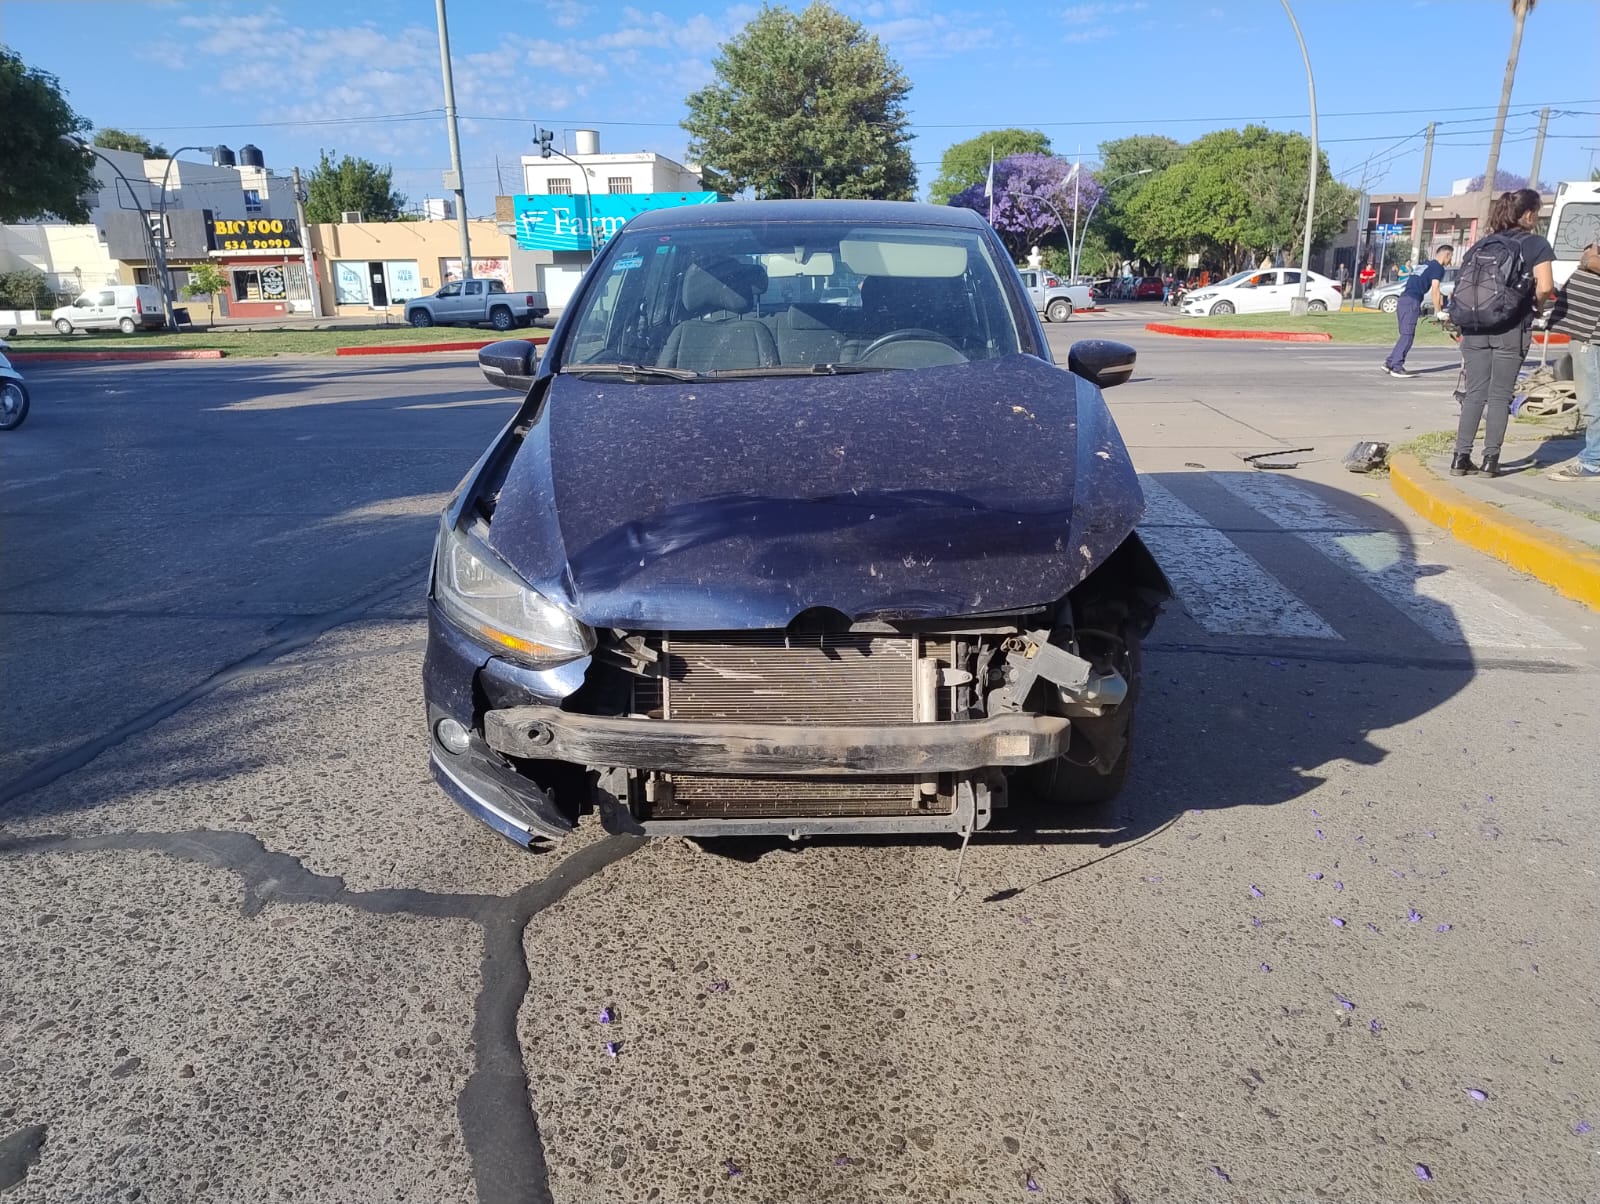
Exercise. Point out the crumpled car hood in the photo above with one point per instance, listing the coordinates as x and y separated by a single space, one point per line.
972 489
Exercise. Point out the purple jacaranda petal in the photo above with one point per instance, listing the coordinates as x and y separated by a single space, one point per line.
1320 836
1397 873
911 957
1155 878
841 1160
1255 922
1336 921
1221 1174
1413 915
1315 876
1257 893
1266 969
1033 1185
1277 664
1430 833
1347 1004
1026 919
1581 1128
1359 839
1315 814
1375 1028
612 1048
734 1169
718 987
1442 928
1338 886
1476 1094
1373 926
605 1015
1423 1172
1194 810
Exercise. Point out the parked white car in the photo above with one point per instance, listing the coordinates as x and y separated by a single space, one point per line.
124 307
1262 291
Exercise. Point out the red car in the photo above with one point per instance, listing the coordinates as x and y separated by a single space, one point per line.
1148 289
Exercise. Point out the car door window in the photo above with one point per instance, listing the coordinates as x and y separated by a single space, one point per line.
1291 277
449 290
107 300
84 302
472 288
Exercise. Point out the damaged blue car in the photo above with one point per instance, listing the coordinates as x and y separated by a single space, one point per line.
798 530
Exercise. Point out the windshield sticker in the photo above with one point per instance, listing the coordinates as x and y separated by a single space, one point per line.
627 262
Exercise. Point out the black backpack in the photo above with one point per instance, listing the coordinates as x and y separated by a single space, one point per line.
1494 288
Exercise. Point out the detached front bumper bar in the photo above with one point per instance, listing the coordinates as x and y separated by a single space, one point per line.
776 749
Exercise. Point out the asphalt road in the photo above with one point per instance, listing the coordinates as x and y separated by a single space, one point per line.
251 953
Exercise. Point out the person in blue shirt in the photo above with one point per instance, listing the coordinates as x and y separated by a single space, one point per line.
1418 286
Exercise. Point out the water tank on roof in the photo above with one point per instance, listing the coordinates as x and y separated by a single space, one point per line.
222 156
586 142
250 156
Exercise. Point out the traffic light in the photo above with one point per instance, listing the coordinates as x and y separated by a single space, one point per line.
545 138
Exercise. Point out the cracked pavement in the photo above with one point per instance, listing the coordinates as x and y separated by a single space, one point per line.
252 953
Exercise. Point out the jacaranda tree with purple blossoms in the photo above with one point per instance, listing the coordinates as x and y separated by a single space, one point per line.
1021 218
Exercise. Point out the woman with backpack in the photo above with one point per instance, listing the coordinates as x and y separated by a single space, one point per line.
1504 279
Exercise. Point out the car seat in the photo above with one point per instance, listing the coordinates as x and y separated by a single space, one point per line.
720 333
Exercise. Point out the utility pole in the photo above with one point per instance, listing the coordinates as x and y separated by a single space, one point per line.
453 180
305 243
1538 149
1417 255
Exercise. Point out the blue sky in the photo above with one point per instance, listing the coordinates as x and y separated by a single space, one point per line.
293 76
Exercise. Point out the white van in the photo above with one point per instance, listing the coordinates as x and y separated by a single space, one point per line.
1574 225
124 307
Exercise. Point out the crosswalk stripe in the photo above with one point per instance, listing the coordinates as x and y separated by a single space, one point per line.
1442 601
1221 586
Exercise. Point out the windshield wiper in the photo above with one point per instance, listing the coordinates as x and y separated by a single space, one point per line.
796 370
630 370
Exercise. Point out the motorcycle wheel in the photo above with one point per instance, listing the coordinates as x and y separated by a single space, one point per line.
13 404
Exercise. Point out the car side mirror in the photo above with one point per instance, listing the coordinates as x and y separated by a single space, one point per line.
509 363
12 333
1101 362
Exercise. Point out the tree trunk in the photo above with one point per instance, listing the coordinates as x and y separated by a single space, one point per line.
1519 13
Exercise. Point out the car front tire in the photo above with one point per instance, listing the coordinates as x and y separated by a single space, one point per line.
1389 304
63 326
1222 307
420 318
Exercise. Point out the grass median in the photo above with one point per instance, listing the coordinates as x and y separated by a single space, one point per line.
258 342
1361 326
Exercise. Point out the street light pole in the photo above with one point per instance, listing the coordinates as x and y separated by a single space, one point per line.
157 253
455 181
1077 257
161 223
1297 304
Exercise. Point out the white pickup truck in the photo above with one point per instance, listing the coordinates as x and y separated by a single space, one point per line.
476 303
1055 300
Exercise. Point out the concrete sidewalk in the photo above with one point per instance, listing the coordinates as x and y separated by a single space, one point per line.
1547 528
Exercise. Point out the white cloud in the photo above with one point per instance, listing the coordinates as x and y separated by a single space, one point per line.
1092 14
1094 33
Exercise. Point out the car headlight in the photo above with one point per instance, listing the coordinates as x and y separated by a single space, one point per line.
1200 297
481 594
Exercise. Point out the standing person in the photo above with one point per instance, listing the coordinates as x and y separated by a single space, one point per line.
1578 316
1504 279
1418 285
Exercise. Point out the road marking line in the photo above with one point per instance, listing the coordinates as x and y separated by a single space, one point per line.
1443 601
1221 586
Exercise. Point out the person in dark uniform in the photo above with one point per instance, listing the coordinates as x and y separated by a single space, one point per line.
1418 285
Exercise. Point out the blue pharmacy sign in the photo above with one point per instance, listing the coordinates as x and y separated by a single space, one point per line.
564 223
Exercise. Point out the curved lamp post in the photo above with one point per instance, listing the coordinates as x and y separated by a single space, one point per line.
1297 304
161 215
545 151
158 254
1077 258
1047 203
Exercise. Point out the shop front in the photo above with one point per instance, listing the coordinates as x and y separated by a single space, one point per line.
264 265
375 283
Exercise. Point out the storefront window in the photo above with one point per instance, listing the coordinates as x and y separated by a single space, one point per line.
350 283
270 282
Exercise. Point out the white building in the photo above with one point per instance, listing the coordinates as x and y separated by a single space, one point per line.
636 171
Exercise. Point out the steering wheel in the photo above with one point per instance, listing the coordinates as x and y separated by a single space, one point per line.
910 334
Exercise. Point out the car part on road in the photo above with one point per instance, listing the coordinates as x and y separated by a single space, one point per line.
1366 456
1259 459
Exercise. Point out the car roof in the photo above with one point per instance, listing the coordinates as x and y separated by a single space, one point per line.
738 213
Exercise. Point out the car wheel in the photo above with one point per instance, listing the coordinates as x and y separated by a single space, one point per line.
1071 780
127 326
501 319
420 318
1316 307
1059 310
13 404
63 326
1223 307
1389 304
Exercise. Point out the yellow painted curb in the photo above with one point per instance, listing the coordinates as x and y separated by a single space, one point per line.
1569 567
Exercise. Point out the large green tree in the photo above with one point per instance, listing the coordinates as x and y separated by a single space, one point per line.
40 174
1124 162
352 184
805 104
1233 194
114 139
967 163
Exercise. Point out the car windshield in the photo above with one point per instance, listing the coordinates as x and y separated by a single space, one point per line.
763 298
1236 278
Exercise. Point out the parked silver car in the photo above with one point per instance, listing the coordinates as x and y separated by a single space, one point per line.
1387 296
